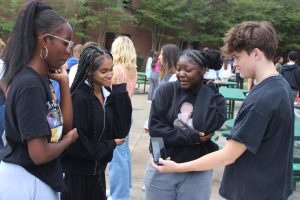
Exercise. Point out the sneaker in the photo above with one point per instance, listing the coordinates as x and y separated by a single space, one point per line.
143 188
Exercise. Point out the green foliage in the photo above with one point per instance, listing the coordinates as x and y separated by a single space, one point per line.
95 16
8 10
162 18
204 21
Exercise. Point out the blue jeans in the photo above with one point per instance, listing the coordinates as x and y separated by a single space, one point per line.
1 127
120 172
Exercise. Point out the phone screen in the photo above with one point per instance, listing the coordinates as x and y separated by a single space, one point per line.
157 149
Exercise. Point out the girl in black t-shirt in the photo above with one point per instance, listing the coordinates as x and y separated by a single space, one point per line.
39 43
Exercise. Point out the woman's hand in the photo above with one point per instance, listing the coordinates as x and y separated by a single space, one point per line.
72 135
59 74
119 141
203 137
166 166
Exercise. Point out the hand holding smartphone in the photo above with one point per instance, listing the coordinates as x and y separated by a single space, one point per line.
157 149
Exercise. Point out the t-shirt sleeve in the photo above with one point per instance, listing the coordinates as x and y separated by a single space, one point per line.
31 112
249 129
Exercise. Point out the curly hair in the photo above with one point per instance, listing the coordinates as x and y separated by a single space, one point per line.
250 35
124 52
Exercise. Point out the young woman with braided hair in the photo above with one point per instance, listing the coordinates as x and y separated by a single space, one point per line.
102 118
37 129
181 112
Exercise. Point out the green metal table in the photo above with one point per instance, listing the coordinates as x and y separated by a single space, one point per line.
142 79
228 84
232 95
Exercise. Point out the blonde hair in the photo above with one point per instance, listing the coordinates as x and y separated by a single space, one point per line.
2 47
123 52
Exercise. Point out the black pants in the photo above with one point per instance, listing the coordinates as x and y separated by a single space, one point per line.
239 80
81 187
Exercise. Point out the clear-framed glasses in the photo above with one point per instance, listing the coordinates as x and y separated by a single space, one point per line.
67 42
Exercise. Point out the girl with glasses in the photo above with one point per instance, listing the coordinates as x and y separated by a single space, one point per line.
37 129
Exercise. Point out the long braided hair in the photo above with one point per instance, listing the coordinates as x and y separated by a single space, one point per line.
90 60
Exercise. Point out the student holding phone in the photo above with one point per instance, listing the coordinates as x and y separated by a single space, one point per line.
181 111
259 152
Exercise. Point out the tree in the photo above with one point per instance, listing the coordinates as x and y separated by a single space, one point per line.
284 15
8 10
204 21
161 18
95 16
210 20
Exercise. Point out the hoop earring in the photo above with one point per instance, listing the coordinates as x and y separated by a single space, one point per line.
41 53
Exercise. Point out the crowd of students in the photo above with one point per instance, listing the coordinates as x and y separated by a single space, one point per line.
59 148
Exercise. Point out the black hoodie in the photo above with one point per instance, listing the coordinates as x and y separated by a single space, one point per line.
208 115
292 74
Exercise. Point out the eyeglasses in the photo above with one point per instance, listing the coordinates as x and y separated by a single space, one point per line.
67 42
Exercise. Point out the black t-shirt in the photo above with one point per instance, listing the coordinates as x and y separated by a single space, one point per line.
26 118
265 125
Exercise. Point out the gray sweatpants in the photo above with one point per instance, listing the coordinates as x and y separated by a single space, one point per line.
177 186
17 183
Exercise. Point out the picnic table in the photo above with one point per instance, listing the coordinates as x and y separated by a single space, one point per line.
232 95
142 79
229 84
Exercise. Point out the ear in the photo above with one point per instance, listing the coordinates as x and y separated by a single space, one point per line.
257 53
42 40
202 71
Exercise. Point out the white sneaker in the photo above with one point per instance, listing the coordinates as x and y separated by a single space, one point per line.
143 188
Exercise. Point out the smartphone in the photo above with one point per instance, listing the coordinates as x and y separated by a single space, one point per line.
157 149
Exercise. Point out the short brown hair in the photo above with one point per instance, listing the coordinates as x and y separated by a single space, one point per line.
250 35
